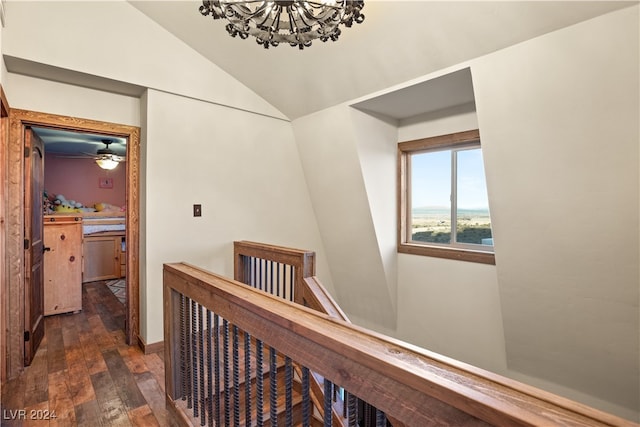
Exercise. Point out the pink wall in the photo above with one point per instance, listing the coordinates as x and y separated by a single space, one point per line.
78 179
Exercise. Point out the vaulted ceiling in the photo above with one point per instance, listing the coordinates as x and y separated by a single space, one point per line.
399 41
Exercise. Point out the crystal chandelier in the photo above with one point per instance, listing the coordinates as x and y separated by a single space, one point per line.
297 23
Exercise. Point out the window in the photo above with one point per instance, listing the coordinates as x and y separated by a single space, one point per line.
443 204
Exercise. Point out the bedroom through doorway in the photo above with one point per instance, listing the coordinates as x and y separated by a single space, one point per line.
21 123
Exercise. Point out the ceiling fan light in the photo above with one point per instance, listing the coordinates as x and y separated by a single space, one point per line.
107 163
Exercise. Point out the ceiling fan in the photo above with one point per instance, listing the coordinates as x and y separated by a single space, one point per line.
105 157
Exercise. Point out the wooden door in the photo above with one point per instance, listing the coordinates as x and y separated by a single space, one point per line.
34 247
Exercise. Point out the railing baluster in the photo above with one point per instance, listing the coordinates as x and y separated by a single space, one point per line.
292 283
351 409
274 284
254 277
306 398
367 415
381 419
209 370
226 373
236 378
279 284
194 356
259 383
201 363
216 366
247 378
253 272
189 366
273 385
328 413
183 352
288 378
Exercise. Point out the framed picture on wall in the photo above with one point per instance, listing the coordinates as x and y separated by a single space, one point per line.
105 183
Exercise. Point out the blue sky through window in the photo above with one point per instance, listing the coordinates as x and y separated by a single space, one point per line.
431 180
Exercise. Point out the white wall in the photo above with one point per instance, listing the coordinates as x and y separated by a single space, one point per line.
450 307
559 124
244 170
42 95
242 167
438 304
558 119
328 147
114 40
375 144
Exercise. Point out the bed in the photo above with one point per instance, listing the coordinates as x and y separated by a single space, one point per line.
102 222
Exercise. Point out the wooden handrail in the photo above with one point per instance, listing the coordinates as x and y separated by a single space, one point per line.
316 297
412 385
306 290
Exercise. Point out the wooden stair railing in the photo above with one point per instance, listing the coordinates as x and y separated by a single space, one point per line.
284 272
254 264
412 386
274 269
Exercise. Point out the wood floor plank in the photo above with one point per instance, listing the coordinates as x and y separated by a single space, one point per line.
37 382
111 301
78 379
53 322
143 416
87 304
100 334
79 383
156 367
112 409
87 374
36 415
13 401
81 322
119 339
61 407
154 395
55 348
123 380
134 359
92 355
108 320
88 414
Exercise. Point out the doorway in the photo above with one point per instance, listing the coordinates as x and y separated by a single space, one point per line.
85 202
19 120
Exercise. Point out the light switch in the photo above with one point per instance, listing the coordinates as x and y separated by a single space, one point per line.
197 210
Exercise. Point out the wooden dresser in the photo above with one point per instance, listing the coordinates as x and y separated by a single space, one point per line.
62 264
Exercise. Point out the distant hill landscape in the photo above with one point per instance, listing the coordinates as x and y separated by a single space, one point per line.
433 224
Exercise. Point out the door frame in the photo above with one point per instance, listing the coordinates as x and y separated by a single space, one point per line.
15 265
4 138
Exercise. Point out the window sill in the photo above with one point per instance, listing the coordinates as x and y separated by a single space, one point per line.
448 253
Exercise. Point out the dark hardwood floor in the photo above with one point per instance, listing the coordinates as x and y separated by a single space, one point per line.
84 374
